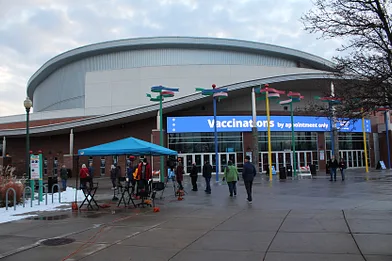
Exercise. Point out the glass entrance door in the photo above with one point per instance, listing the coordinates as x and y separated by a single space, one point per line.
201 158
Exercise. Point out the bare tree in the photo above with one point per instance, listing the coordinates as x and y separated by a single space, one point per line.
364 67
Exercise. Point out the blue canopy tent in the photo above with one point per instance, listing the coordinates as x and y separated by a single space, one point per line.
127 146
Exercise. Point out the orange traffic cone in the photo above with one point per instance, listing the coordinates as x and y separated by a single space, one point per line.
75 206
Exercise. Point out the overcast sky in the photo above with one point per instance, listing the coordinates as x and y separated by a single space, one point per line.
33 31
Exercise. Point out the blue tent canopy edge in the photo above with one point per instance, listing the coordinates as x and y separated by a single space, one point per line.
127 146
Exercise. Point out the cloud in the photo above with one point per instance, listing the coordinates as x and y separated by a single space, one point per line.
33 31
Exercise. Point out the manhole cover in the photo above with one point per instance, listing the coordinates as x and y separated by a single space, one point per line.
58 241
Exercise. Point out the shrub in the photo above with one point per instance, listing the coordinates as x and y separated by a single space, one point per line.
8 180
17 186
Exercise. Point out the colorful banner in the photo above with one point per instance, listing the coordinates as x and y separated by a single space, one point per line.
245 124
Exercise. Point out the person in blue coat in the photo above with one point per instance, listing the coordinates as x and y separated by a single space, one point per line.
248 174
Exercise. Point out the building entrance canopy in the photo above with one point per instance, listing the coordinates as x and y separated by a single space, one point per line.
245 124
128 146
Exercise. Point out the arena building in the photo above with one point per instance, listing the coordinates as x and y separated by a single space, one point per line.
97 93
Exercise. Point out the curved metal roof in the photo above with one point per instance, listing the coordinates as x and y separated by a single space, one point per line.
171 42
150 110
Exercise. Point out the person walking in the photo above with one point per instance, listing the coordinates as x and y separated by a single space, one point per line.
193 175
333 165
248 174
180 175
64 177
207 174
342 166
231 177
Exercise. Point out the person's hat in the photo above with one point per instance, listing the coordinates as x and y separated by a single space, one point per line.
247 157
131 158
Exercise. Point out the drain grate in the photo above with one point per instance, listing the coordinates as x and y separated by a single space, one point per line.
57 241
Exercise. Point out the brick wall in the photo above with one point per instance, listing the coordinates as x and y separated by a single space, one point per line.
22 124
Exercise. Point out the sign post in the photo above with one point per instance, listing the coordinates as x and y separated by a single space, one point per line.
36 174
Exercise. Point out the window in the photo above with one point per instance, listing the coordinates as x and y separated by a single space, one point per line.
102 166
55 166
281 141
347 141
200 142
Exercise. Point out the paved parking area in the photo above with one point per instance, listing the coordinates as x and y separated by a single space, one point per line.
288 220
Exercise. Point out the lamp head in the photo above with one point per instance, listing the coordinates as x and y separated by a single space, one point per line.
28 103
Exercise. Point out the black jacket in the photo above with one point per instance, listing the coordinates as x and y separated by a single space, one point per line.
194 171
248 171
207 170
333 164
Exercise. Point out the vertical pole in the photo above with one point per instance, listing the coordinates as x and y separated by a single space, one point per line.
28 174
364 143
387 135
269 136
162 171
4 147
255 133
216 143
40 182
71 143
332 130
293 139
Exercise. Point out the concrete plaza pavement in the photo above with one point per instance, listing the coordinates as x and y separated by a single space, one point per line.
308 219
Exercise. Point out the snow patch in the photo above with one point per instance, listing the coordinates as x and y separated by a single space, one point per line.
21 212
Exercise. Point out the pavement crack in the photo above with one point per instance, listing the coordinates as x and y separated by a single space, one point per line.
280 226
352 235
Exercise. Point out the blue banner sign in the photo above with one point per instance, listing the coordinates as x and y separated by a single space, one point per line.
245 123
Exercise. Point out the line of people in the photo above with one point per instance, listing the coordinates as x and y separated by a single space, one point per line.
231 176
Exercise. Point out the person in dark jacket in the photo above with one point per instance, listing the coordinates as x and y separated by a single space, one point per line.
333 165
207 174
193 175
180 175
64 177
248 174
130 179
342 166
113 176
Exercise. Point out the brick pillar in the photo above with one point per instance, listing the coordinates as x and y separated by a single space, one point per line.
157 159
97 166
122 164
108 163
321 147
68 161
247 141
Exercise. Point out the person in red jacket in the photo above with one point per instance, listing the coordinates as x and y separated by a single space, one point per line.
84 176
144 174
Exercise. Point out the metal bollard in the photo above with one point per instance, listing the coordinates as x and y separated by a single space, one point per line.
24 196
58 190
6 198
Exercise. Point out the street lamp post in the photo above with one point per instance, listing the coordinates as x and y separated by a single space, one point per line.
331 100
294 97
217 95
28 104
270 93
164 92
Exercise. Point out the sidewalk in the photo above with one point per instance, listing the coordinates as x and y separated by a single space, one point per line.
309 219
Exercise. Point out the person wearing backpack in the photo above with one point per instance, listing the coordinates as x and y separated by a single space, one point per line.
231 177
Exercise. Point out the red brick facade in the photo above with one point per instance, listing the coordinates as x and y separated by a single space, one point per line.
57 146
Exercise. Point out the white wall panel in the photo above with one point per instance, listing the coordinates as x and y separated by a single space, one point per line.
128 88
